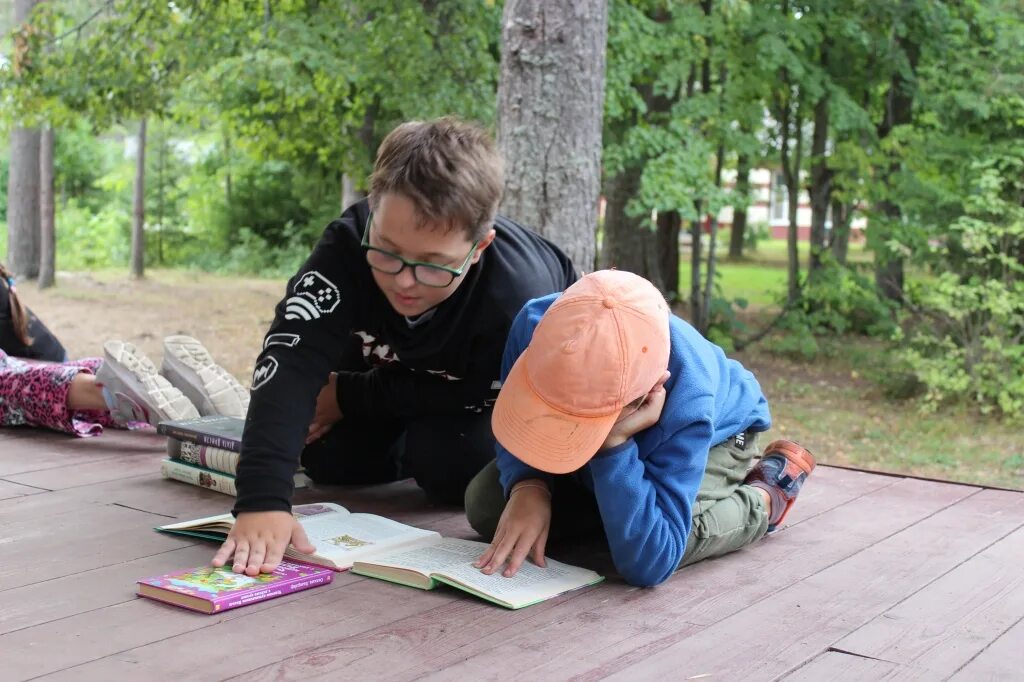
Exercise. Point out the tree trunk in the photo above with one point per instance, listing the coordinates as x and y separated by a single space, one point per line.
696 262
790 126
821 185
23 177
550 107
628 244
709 285
899 104
741 192
842 216
349 193
667 242
47 233
23 203
138 263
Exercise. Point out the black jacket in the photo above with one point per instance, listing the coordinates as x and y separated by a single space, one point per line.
449 364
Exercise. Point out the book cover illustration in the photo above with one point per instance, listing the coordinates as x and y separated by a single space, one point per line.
211 590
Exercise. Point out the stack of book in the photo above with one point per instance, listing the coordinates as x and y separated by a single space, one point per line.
205 452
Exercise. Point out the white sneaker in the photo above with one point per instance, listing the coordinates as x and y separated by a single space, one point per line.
189 366
140 393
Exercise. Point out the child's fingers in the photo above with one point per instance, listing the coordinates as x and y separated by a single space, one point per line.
256 555
273 558
537 553
299 540
224 553
518 556
241 556
501 553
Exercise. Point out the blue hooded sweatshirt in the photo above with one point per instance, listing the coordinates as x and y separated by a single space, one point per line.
646 488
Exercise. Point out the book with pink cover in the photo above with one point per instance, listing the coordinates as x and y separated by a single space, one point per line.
212 590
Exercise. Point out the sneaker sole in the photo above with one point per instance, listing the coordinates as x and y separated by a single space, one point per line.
210 387
136 378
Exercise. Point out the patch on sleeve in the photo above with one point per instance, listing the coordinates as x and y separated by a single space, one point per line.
312 297
264 372
287 340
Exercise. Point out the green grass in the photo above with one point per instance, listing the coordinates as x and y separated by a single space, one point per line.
760 277
761 285
836 407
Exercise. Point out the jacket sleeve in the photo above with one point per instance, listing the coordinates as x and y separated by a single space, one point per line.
311 325
647 504
511 469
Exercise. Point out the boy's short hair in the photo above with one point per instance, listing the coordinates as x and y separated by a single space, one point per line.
448 168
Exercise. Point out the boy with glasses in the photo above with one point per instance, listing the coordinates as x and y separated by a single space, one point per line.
616 415
402 309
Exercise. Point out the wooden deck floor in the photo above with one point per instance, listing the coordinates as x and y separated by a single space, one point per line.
874 577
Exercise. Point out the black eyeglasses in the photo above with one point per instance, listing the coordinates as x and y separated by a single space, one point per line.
427 274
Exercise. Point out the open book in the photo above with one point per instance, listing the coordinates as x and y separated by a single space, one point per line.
378 547
340 536
450 561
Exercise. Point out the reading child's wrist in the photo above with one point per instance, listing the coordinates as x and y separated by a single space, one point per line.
530 484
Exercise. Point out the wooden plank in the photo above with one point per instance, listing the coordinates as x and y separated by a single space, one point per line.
60 644
26 450
949 622
1003 660
42 602
605 622
89 473
819 610
148 644
77 540
9 489
598 635
245 634
837 666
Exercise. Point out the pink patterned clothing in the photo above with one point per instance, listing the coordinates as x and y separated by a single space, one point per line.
35 394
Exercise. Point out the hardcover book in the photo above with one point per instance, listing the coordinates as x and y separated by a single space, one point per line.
210 479
206 456
211 590
216 431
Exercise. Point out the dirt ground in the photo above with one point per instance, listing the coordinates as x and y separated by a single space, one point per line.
229 315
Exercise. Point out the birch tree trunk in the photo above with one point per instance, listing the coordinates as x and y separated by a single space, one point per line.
138 265
23 176
47 231
550 108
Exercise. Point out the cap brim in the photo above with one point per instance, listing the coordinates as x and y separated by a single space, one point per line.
538 434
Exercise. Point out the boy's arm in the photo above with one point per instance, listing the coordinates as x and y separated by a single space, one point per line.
647 505
303 345
402 393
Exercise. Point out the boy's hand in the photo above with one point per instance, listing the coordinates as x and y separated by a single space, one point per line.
523 529
632 422
258 540
328 412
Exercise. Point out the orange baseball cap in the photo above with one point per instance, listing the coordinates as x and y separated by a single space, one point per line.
601 345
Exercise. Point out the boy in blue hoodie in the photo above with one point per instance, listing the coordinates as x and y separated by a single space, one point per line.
609 397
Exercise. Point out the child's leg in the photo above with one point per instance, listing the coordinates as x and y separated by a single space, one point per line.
728 514
574 512
37 395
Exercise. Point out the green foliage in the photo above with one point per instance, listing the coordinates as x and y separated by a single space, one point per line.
969 344
838 301
755 234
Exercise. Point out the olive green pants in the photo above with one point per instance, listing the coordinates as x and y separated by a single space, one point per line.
727 515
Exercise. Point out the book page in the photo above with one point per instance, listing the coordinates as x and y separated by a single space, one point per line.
453 558
352 537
